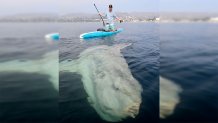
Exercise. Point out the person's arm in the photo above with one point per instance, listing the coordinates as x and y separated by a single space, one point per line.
103 15
120 20
117 18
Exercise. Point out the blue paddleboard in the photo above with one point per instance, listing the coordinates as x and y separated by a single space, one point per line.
99 34
53 36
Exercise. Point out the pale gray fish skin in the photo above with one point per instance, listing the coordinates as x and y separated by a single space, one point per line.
112 90
169 97
48 64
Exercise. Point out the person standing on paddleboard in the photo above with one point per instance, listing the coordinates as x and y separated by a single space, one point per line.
110 19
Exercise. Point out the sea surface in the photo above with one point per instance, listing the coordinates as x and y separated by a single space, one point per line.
26 94
142 58
189 58
184 53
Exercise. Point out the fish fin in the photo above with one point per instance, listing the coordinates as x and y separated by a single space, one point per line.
169 97
16 65
118 47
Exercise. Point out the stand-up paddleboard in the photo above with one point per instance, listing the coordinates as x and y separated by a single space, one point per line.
53 36
99 34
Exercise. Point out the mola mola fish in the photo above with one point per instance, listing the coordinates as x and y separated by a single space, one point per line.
169 97
48 64
112 90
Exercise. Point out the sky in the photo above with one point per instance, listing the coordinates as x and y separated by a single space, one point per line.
86 6
188 5
10 7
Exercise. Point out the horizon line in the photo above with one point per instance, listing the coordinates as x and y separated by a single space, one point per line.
43 13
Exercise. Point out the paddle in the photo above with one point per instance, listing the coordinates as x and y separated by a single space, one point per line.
100 15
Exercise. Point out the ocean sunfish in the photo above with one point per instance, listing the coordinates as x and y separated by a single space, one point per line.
169 97
48 64
112 90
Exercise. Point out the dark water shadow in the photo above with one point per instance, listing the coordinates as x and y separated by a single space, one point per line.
27 97
74 106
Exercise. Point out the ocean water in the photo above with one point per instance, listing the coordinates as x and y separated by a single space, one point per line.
186 54
189 58
142 58
27 93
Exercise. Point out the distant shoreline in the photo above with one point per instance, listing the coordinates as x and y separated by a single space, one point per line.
161 21
76 17
134 17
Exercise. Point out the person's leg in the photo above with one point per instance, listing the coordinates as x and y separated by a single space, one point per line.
107 27
112 27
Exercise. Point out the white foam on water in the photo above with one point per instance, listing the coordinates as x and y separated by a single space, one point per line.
112 90
48 64
169 97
